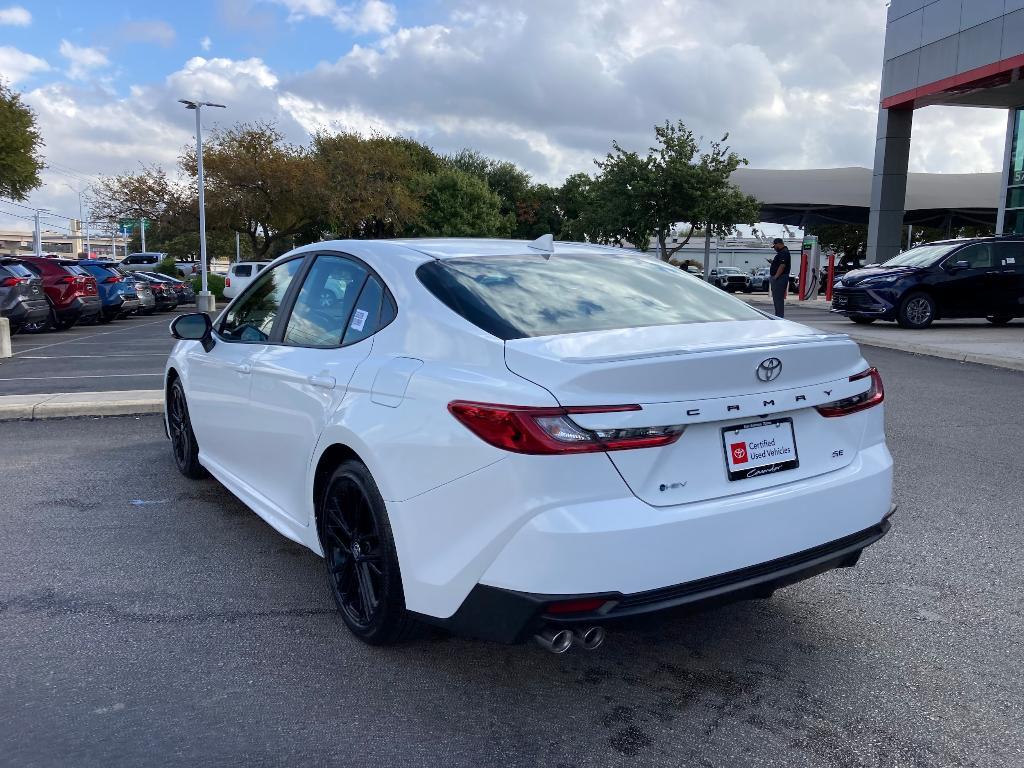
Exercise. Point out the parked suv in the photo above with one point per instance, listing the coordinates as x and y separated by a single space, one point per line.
22 300
240 275
731 279
983 277
71 290
119 297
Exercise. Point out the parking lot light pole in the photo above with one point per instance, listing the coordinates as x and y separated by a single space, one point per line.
204 301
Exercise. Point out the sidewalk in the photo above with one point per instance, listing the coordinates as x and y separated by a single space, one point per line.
967 341
56 406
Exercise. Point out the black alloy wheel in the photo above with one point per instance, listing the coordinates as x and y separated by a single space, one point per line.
862 319
917 310
183 439
999 319
359 552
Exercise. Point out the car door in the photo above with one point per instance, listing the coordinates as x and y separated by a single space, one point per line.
219 380
1009 259
970 290
299 383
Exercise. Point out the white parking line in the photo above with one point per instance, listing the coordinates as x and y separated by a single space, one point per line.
83 338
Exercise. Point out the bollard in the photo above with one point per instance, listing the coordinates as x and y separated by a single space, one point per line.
5 337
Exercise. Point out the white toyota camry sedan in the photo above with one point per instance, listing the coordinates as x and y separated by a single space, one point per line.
516 440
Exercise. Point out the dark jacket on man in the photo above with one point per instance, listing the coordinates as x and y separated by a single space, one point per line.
780 284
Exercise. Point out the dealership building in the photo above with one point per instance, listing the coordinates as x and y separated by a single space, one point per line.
946 52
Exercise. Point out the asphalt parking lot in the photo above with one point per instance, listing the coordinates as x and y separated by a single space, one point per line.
124 354
148 619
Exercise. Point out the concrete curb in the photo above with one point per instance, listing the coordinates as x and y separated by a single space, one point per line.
66 404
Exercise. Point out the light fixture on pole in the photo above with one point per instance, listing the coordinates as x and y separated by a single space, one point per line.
204 301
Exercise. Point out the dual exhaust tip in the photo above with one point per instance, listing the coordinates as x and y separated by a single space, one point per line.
561 640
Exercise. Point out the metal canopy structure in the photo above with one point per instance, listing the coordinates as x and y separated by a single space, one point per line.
843 196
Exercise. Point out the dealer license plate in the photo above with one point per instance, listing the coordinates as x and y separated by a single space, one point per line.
838 302
761 448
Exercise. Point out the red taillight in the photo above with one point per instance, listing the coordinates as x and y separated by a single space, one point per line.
873 396
112 279
583 605
68 279
227 282
542 431
10 282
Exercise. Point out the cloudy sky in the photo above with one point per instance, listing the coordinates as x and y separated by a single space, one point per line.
546 83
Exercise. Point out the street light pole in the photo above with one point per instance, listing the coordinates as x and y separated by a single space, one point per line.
204 302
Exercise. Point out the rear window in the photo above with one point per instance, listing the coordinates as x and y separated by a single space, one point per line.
514 297
75 270
242 270
18 270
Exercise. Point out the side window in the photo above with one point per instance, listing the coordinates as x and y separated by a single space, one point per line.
1010 256
977 256
365 318
325 303
252 319
242 270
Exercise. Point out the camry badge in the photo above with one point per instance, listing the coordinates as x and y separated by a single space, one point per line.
769 369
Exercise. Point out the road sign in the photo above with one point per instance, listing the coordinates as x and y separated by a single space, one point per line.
131 224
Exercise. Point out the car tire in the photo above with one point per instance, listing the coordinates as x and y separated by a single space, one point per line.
183 440
360 558
999 319
917 310
747 289
862 320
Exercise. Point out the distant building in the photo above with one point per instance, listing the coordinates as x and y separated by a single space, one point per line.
950 52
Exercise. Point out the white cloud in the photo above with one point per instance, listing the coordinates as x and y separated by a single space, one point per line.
15 16
371 16
545 84
82 61
206 43
155 31
16 66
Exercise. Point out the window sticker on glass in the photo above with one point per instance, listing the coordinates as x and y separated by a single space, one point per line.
359 319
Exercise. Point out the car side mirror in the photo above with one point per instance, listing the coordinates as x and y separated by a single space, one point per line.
196 326
958 265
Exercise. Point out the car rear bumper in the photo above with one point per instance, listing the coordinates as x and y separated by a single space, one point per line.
501 615
27 311
571 526
80 307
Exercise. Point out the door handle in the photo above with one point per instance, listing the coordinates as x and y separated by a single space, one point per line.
325 382
241 367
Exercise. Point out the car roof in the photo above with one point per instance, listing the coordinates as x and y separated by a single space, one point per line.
451 247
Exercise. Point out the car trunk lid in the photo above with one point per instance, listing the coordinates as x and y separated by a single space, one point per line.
708 377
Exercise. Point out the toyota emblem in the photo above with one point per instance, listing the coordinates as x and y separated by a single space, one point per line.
769 369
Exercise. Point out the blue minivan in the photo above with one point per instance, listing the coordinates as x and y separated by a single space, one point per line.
117 294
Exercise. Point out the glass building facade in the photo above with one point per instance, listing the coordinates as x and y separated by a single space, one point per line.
1013 223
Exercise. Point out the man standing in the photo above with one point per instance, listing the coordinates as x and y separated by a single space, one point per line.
779 275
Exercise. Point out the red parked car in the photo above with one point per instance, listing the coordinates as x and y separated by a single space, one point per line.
70 289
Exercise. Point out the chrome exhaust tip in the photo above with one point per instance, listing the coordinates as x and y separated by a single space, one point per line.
555 640
590 638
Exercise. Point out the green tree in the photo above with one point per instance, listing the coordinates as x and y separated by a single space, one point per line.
369 183
273 193
574 200
636 197
20 145
458 204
